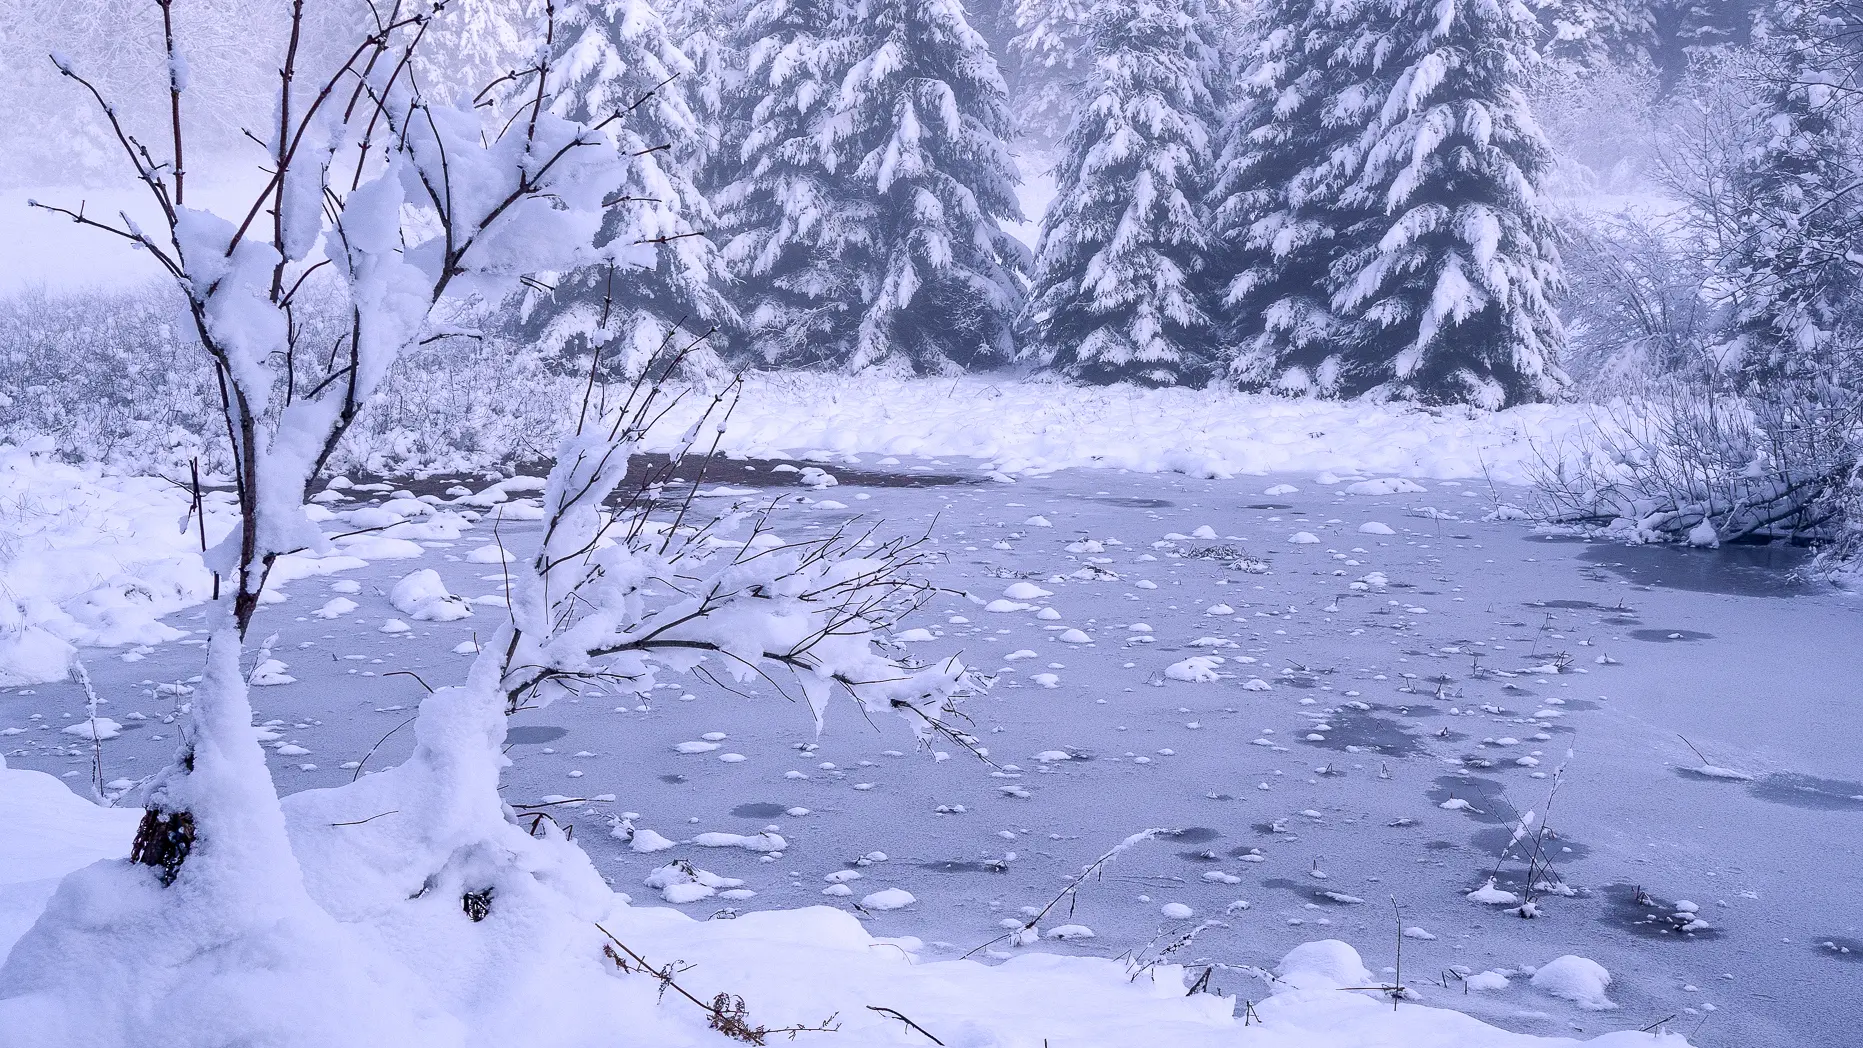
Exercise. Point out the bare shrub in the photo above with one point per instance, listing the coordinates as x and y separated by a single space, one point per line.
1640 312
111 376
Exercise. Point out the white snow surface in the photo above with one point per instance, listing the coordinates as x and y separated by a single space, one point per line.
1023 425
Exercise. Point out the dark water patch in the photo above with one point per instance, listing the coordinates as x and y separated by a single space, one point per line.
1268 505
1839 947
1552 846
1734 571
1124 502
759 810
1356 732
435 484
1622 620
1440 846
534 734
1670 636
965 866
1321 896
1809 791
674 779
1297 682
1194 834
1629 907
1486 797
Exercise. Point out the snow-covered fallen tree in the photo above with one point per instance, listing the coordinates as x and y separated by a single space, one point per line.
1706 467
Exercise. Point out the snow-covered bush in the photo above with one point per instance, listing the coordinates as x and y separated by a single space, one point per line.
109 376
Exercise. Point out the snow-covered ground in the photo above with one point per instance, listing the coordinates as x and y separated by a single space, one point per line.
1017 426
1338 691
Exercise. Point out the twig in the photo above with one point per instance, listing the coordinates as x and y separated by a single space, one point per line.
891 1013
371 818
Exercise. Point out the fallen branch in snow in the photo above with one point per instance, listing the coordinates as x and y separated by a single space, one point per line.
372 818
726 1013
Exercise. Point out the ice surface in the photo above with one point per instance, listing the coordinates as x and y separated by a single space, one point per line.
1367 713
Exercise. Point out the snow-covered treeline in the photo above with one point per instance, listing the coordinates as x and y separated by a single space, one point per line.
1401 200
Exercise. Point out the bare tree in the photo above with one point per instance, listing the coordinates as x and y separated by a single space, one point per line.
410 205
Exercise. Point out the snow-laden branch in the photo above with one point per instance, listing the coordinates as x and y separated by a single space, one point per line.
615 594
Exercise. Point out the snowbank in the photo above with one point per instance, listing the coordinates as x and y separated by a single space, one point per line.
46 831
1021 424
87 558
535 972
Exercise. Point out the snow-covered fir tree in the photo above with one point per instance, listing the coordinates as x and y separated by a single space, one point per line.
1271 254
1799 220
1385 176
656 279
1044 51
471 43
1114 294
1665 36
703 31
873 180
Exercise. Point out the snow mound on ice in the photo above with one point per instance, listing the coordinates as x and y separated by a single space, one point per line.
888 899
1325 965
1198 669
423 597
1580 980
1385 486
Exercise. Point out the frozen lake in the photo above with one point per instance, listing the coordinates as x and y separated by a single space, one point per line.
1388 702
